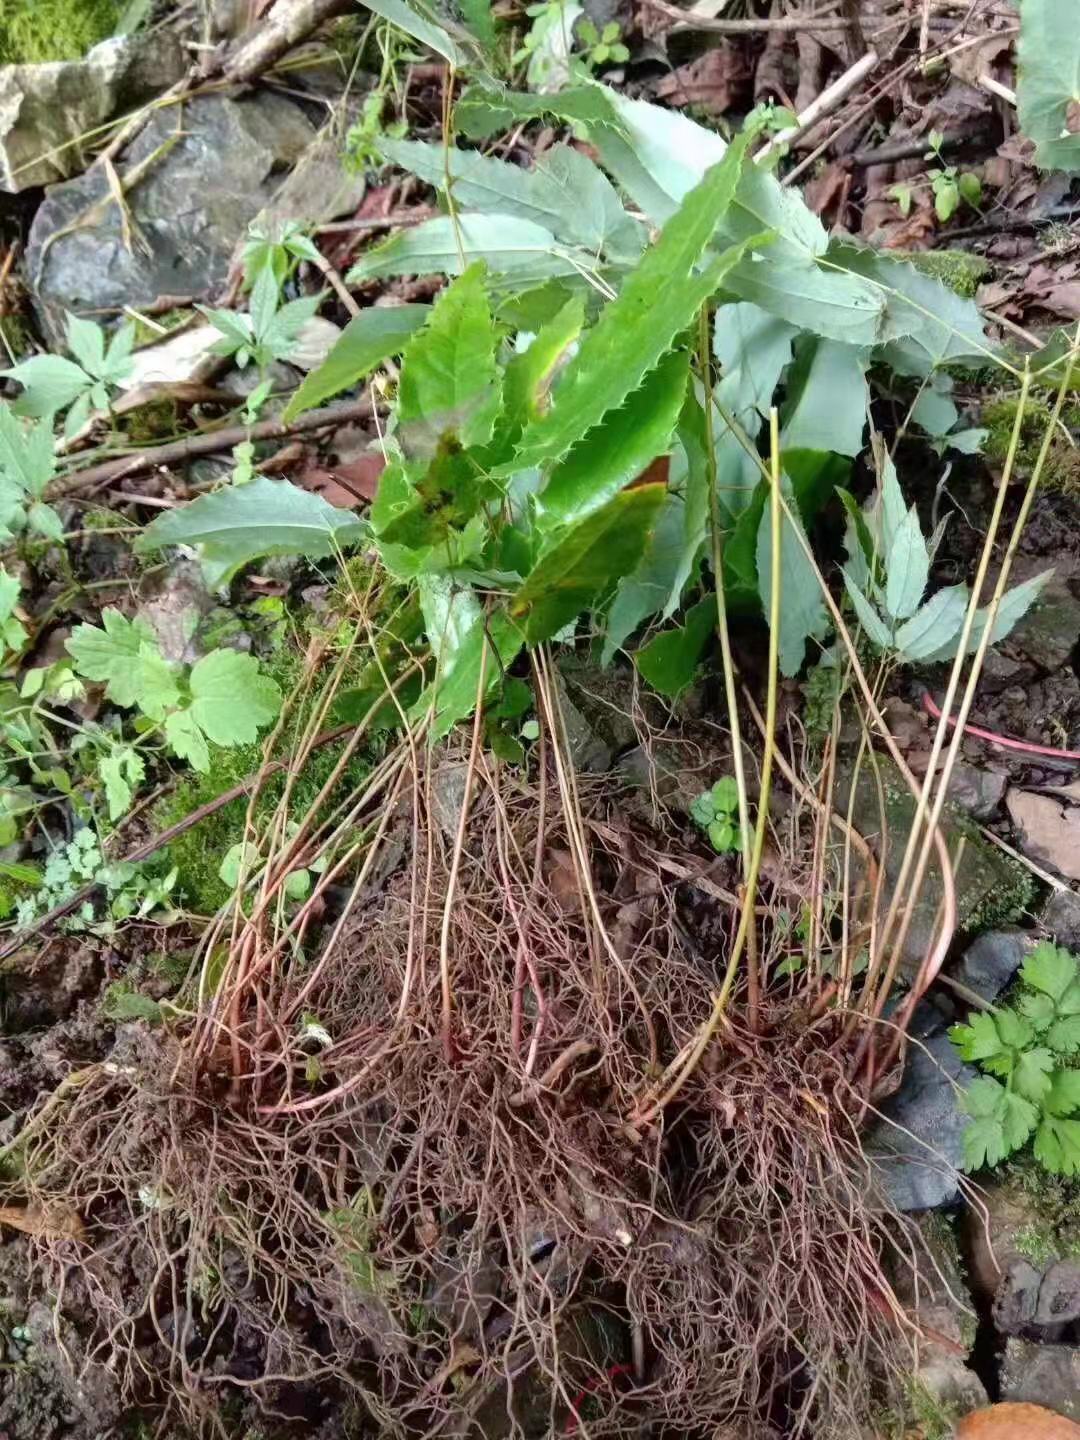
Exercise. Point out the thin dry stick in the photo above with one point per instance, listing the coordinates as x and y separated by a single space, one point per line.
211 443
829 100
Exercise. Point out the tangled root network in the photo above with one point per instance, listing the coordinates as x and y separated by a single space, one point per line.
420 1198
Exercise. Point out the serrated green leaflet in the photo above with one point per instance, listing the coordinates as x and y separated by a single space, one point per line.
828 399
1048 83
803 615
485 109
585 560
230 700
235 526
935 626
517 249
564 192
369 338
618 449
634 331
450 383
907 568
472 650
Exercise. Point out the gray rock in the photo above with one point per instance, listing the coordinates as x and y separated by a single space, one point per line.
1061 917
977 789
983 877
44 108
991 961
930 1284
1059 1294
588 752
192 207
1042 1375
915 1147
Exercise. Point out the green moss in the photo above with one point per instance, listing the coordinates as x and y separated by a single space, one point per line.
1062 470
37 30
1055 1200
1037 1242
198 853
961 271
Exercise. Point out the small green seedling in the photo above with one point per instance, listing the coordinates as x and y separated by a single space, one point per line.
717 812
949 185
602 47
1032 1048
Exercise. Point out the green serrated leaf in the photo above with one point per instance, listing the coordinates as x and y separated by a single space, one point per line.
979 1039
471 648
584 560
423 22
371 337
935 626
669 661
1064 1035
51 384
633 332
828 398
124 655
1038 1008
27 458
907 568
1057 1145
232 527
1014 1029
1063 1096
1031 1076
86 341
121 771
877 632
187 740
564 192
450 383
517 249
1050 970
618 450
803 615
230 700
1012 608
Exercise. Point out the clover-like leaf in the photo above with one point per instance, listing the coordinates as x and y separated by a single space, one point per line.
230 700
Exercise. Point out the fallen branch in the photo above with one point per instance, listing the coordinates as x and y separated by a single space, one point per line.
829 99
211 443
289 22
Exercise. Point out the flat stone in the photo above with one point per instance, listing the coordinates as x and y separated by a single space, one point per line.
1061 918
192 207
916 1146
991 961
1042 1374
977 789
1059 1294
982 877
45 108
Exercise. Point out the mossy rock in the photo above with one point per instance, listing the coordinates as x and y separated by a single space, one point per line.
33 31
1062 471
961 271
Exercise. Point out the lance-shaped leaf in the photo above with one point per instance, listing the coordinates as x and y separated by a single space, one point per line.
369 338
519 249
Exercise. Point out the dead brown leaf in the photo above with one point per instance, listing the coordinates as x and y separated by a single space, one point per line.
346 485
829 191
715 81
46 1222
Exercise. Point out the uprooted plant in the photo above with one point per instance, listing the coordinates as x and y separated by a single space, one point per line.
468 1093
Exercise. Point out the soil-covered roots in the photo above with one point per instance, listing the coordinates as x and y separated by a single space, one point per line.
423 1191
